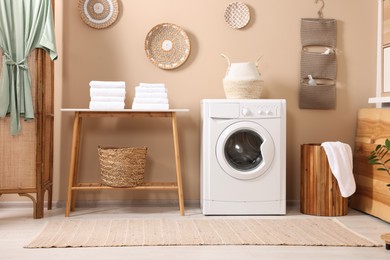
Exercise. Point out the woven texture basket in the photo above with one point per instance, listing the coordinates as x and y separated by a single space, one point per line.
167 46
237 15
122 167
99 14
242 89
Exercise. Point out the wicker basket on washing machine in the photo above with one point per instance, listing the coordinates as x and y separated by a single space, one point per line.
242 80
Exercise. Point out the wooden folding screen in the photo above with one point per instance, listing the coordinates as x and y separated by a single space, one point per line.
26 159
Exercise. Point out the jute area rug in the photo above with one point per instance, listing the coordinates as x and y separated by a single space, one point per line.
193 232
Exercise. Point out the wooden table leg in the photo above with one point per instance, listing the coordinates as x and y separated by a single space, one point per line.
177 160
70 200
50 197
76 162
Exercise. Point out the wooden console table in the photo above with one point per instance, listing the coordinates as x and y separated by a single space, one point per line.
74 186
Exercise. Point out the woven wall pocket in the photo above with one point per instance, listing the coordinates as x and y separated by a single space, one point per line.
318 65
317 97
122 167
318 32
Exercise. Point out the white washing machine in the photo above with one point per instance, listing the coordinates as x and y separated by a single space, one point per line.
243 157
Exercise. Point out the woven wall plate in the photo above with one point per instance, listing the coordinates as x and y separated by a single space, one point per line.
167 46
99 14
237 15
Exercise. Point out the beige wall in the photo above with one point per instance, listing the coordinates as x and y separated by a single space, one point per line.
117 53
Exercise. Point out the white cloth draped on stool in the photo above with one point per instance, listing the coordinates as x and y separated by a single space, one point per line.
340 162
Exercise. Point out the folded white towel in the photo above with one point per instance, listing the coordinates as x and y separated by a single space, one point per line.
108 99
150 106
152 85
107 84
106 105
102 92
139 89
151 100
151 95
340 162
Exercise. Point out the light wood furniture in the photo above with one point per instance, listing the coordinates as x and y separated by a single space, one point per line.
26 159
386 24
74 186
372 196
320 193
386 238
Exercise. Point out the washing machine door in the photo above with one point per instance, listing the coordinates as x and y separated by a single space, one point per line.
245 150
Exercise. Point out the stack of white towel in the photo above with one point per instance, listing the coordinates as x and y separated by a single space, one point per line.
151 96
107 95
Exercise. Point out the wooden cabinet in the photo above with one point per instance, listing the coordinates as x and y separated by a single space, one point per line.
372 195
26 159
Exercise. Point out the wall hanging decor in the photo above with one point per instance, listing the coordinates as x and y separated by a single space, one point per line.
318 62
242 80
237 15
99 14
167 46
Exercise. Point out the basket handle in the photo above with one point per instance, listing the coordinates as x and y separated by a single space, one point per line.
228 61
257 63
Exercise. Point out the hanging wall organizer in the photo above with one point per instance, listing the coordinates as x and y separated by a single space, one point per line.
318 62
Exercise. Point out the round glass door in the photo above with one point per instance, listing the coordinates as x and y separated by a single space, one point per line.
242 150
245 150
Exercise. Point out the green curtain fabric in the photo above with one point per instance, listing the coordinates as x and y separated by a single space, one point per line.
24 26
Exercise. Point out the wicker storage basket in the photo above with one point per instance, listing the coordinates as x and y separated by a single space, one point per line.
243 89
122 167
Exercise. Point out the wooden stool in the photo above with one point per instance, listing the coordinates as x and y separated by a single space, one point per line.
320 193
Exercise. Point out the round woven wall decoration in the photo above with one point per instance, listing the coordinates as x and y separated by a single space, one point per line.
237 15
98 14
167 46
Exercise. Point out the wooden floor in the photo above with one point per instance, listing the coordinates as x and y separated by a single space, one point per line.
17 228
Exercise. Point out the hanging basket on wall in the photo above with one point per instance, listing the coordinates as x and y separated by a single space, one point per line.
167 46
237 15
99 14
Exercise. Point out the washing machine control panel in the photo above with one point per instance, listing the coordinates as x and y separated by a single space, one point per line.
256 110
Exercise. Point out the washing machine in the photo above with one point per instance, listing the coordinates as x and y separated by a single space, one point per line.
243 157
